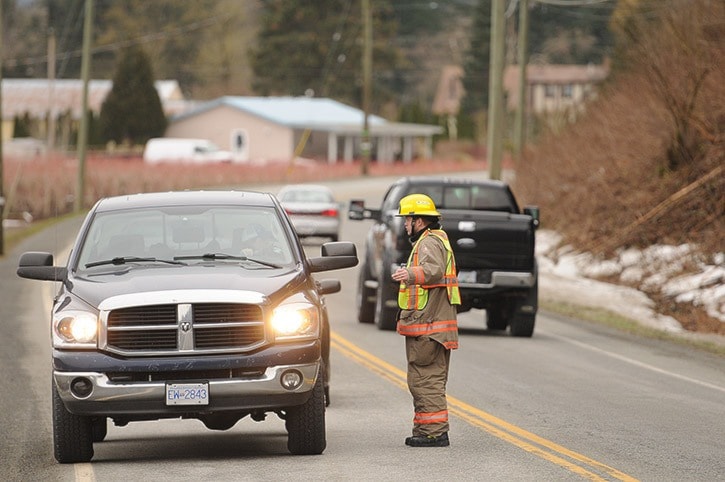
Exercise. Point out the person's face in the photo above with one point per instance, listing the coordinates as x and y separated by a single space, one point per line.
409 224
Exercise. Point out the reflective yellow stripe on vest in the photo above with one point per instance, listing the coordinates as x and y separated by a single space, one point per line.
414 296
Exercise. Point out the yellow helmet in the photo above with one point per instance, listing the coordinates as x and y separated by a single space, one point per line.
417 205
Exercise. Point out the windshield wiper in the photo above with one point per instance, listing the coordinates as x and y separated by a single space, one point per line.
130 259
224 256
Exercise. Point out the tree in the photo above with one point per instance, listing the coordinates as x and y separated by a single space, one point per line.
570 34
677 44
476 72
132 112
316 47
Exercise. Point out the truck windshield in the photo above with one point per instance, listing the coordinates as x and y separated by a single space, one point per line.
185 232
467 196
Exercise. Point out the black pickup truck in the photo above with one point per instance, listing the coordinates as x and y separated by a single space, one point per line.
493 241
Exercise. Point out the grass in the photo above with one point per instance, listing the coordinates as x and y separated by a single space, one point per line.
14 236
629 326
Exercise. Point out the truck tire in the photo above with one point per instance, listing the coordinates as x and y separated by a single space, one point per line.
306 423
522 325
99 427
365 307
497 316
72 434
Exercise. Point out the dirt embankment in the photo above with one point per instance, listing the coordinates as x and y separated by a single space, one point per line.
644 164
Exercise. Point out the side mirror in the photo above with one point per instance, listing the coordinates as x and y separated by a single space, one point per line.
335 255
329 286
533 211
39 266
358 212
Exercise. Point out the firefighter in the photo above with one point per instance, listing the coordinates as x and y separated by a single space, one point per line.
427 298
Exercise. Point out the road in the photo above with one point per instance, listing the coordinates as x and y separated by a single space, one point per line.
577 401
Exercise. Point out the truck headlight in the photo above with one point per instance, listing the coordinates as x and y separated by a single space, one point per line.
296 321
78 329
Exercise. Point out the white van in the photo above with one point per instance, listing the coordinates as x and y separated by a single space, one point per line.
170 149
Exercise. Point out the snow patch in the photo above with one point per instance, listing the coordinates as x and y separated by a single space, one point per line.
675 271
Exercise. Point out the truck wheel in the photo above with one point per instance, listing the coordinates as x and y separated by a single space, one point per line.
385 317
523 325
99 427
72 434
306 423
497 317
326 363
365 307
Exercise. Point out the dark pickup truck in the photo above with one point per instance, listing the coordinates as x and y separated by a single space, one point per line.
493 241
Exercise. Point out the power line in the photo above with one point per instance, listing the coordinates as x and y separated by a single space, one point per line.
572 3
112 47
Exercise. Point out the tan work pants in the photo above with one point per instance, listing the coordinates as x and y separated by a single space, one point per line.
428 363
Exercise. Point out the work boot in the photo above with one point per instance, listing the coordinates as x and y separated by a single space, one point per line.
428 441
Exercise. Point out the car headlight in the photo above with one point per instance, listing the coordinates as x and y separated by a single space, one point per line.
75 329
296 321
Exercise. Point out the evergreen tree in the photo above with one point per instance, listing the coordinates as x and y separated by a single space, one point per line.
576 34
132 112
317 46
477 62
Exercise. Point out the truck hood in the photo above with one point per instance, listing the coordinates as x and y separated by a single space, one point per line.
271 283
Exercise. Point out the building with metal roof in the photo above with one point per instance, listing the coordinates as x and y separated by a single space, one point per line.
61 101
281 128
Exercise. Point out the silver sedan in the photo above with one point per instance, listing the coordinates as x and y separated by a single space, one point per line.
312 210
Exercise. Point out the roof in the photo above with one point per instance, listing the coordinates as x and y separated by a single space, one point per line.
295 112
556 74
450 91
312 112
34 96
184 198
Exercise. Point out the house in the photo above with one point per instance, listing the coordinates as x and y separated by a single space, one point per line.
447 100
63 100
551 88
283 128
554 88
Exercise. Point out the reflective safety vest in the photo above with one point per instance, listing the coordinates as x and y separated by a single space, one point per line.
414 296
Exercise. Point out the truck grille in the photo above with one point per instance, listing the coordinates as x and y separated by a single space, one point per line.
184 328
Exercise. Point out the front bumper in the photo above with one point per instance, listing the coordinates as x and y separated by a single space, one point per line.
136 387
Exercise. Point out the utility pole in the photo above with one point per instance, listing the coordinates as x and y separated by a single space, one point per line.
495 90
51 90
83 134
367 64
523 60
2 189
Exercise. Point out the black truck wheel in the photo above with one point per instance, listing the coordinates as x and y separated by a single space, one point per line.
306 423
497 316
72 434
522 325
364 295
99 427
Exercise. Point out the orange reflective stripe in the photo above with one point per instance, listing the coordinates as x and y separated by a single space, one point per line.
424 329
431 417
418 275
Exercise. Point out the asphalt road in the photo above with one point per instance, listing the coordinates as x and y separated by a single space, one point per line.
576 401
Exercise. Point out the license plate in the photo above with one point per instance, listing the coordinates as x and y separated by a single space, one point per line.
187 394
466 276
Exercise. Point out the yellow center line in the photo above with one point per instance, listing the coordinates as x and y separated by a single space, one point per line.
508 432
